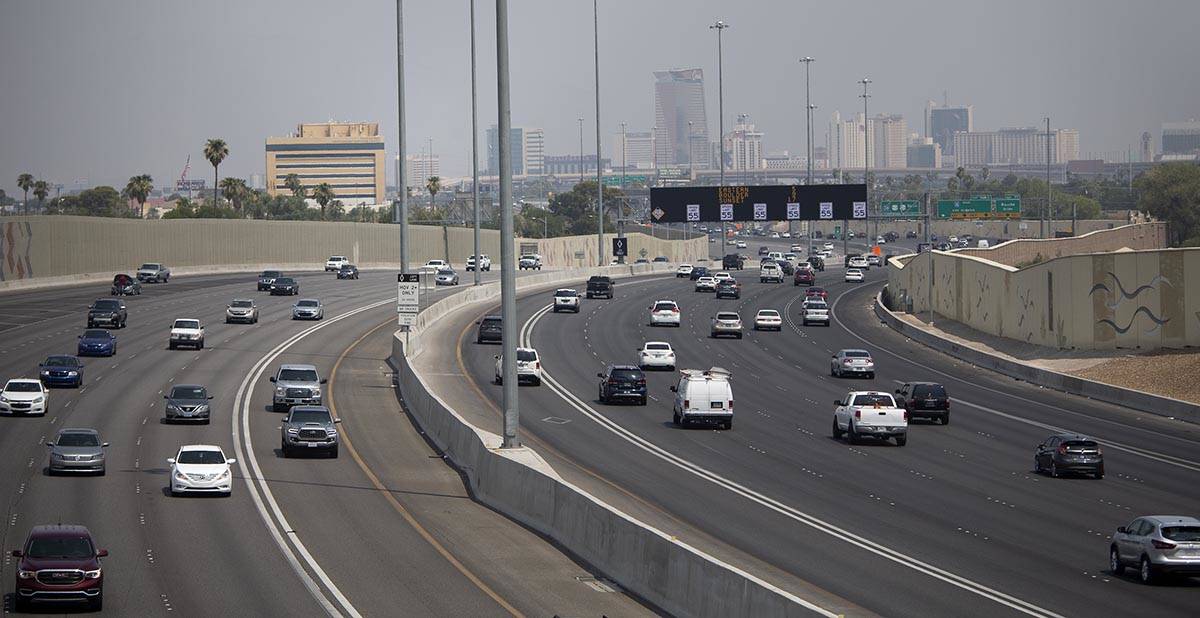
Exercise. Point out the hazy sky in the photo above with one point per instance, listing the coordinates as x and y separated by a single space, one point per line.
103 90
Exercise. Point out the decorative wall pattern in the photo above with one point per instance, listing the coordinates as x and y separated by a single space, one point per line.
16 241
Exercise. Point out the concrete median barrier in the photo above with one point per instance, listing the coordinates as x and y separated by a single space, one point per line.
678 578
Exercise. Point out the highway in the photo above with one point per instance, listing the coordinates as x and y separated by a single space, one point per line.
954 523
385 529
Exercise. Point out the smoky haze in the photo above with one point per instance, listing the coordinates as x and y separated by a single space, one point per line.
95 92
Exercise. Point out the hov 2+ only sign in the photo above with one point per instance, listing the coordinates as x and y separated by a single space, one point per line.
408 298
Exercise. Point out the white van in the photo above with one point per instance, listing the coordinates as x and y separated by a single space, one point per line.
704 396
983 244
775 255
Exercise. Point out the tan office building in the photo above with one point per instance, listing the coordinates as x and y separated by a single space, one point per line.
347 156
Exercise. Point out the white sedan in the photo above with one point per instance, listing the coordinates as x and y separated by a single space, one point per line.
23 396
828 246
854 275
684 270
722 276
741 244
529 367
201 468
664 313
706 284
768 319
656 354
432 266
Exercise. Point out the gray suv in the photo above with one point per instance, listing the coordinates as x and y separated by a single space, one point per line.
187 402
1158 545
296 385
77 450
309 429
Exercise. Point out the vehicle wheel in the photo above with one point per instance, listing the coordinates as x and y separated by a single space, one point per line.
675 418
946 418
831 372
499 380
1146 572
1114 561
171 345
871 376
20 605
1053 469
853 434
537 381
837 431
1098 474
103 471
739 335
255 320
96 603
1037 465
228 321
600 396
333 452
642 401
200 346
901 440
283 448
728 424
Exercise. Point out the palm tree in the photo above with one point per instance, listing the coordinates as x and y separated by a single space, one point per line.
41 189
433 184
323 193
292 181
234 189
139 188
215 150
25 182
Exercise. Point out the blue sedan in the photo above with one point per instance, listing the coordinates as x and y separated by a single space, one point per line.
96 342
61 370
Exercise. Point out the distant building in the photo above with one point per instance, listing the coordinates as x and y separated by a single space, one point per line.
419 167
784 161
847 141
347 156
743 146
637 152
681 120
925 154
1147 147
942 122
528 154
890 147
1015 146
568 165
1181 138
258 181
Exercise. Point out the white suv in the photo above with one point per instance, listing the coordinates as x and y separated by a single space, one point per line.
566 299
815 310
529 367
335 263
485 263
664 312
656 354
186 332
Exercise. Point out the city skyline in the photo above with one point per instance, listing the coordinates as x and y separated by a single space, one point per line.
146 122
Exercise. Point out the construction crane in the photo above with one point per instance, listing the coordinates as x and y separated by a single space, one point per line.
181 184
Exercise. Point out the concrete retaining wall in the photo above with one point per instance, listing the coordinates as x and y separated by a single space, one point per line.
678 578
1130 398
1028 250
1130 299
981 229
37 251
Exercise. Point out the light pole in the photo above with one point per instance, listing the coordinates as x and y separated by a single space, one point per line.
720 27
545 225
474 147
654 151
1049 214
581 151
508 281
867 157
808 108
401 214
599 169
623 151
691 172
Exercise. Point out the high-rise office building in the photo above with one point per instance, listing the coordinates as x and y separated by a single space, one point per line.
347 156
1147 147
743 146
924 153
1015 146
419 167
942 122
679 114
890 148
847 141
1181 138
528 154
637 151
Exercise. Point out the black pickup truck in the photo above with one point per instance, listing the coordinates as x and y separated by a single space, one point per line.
600 285
108 312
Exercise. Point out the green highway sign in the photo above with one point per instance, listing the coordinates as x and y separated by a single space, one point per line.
1008 208
615 181
980 208
899 208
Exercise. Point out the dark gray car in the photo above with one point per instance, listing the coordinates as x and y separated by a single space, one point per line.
187 402
77 450
309 429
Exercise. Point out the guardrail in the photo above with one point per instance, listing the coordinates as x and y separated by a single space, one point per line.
678 578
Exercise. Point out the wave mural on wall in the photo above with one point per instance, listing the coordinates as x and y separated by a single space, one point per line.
15 265
1130 295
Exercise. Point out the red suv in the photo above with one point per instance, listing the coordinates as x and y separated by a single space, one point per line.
59 563
804 276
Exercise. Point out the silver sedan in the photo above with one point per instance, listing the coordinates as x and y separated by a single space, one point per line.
308 309
447 276
77 450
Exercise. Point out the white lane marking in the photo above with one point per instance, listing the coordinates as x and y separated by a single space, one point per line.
1187 464
793 513
276 523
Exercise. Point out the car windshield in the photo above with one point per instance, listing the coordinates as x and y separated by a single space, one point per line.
347 267
23 387
727 316
566 293
107 305
874 399
78 438
284 281
95 334
69 548
270 274
310 416
60 361
297 375
308 303
1183 534
927 390
700 269
770 313
445 272
245 304
496 322
188 392
627 374
664 306
526 355
149 267
200 457
187 324
812 291
856 354
337 258
816 306
658 346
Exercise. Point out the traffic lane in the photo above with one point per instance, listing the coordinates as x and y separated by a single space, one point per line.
815 558
147 523
975 508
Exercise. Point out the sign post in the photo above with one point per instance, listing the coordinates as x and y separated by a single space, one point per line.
620 247
408 298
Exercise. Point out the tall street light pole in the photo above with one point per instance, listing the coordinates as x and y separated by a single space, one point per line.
1049 193
808 108
581 166
401 214
508 281
599 169
691 173
720 27
474 147
867 159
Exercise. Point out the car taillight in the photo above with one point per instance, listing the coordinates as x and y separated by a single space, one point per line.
1062 449
912 402
947 404
1161 544
845 361
674 309
537 364
730 404
858 414
906 416
686 403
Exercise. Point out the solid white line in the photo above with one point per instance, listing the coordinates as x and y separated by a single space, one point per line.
274 518
770 503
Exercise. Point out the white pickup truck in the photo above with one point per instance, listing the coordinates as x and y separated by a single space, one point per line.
186 332
869 414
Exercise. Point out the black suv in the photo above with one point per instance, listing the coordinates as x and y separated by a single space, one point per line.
490 329
699 271
891 236
267 278
600 285
1065 452
732 261
925 400
107 312
728 289
622 383
786 267
817 262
